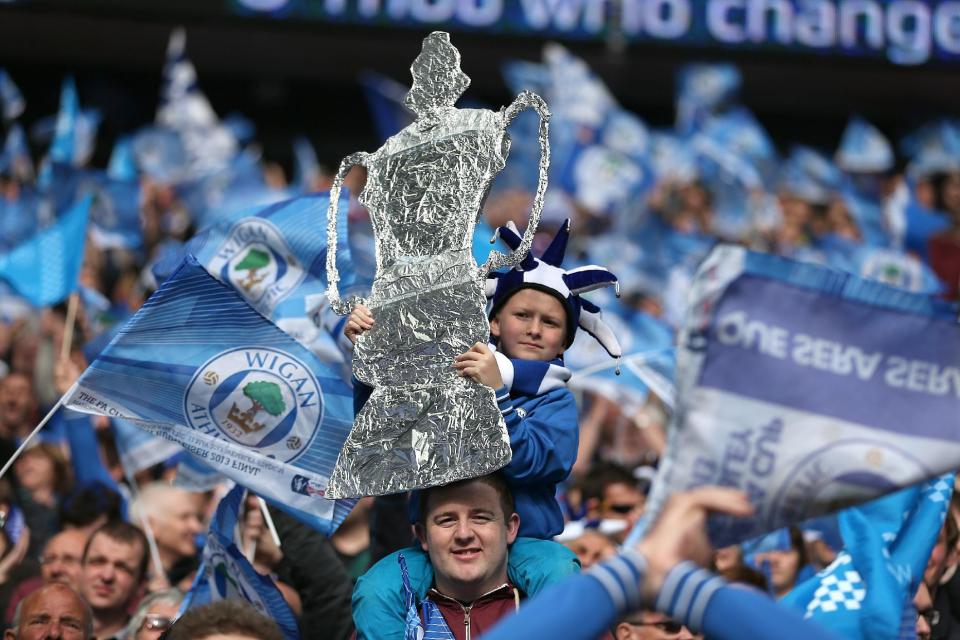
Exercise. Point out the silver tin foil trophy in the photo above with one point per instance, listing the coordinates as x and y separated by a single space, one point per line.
424 425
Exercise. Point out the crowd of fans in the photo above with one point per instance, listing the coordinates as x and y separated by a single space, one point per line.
119 549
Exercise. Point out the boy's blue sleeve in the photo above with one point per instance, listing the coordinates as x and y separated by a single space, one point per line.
84 451
584 606
544 441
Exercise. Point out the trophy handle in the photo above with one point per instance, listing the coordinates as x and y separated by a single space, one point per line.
341 307
526 100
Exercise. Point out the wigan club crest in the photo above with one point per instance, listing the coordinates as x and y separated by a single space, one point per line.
256 260
260 398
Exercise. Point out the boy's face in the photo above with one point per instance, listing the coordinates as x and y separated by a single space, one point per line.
532 325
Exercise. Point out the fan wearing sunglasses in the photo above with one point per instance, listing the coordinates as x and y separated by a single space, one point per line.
651 625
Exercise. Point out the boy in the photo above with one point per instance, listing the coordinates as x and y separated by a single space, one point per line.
534 316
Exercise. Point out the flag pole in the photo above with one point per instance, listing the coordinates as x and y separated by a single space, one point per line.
269 520
26 441
68 325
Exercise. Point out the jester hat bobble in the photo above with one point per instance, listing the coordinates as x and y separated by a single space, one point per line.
545 274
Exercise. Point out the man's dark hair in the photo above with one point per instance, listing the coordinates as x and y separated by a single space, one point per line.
126 533
602 476
89 502
494 480
223 616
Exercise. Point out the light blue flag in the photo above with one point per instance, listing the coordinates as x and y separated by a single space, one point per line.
122 164
160 154
703 89
808 388
115 215
225 574
62 146
12 103
867 592
44 268
864 149
199 366
15 158
139 449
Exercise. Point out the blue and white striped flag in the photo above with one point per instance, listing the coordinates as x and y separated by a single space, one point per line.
225 574
808 388
44 268
199 366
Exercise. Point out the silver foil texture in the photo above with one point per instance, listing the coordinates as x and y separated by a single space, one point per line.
424 425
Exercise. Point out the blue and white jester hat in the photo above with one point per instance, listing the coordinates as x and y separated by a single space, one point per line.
545 274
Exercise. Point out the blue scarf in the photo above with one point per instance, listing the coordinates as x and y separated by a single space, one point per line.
531 377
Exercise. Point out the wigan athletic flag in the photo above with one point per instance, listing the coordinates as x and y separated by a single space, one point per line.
198 366
225 574
809 389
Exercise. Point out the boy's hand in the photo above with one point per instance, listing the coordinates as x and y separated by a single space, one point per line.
359 321
479 364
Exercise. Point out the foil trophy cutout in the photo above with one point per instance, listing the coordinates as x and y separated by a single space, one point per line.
424 425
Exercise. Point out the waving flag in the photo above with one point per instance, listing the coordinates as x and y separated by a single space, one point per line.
275 257
15 157
225 574
809 389
867 592
195 476
115 214
198 366
864 149
44 268
703 89
12 103
209 146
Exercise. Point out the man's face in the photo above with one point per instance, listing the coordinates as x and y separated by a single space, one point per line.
17 401
784 566
54 612
111 572
532 325
466 536
61 558
177 523
592 547
652 625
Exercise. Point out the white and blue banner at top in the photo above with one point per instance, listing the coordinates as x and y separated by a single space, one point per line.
225 574
907 32
810 389
198 366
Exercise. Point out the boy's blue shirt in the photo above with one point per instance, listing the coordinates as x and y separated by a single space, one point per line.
544 435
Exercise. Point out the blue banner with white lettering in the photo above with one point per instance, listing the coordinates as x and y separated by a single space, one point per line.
808 388
198 366
225 574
